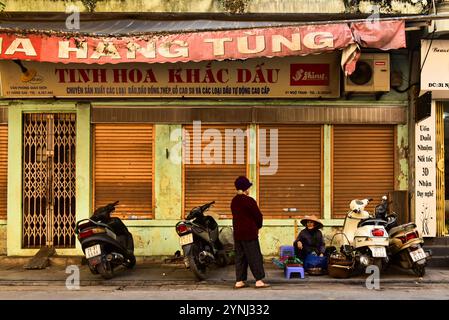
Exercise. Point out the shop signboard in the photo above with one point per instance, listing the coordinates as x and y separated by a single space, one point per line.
183 47
435 67
161 47
289 77
425 176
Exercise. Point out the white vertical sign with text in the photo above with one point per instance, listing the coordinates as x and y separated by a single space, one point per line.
425 176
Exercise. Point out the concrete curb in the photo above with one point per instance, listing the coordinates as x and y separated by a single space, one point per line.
143 283
224 282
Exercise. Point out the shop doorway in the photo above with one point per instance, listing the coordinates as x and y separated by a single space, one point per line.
48 173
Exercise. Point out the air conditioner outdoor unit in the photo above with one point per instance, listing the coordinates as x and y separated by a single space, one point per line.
372 74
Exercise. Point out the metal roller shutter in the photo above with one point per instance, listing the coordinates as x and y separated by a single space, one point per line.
123 168
3 169
297 182
212 182
363 165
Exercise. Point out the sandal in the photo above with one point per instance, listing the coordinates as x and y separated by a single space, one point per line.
242 286
265 285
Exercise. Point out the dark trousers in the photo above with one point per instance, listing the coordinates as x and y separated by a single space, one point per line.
247 253
301 254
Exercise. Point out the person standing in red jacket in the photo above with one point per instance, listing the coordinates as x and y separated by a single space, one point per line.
247 220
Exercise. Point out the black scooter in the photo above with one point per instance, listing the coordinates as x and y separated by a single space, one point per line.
200 242
405 242
106 242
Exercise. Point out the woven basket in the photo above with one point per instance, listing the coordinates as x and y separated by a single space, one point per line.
340 266
339 271
340 259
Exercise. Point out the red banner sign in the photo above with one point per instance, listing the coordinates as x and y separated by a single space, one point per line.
203 46
218 45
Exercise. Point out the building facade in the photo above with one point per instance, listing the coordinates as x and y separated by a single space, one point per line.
163 138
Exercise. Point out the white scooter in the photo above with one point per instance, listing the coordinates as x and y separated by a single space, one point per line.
367 235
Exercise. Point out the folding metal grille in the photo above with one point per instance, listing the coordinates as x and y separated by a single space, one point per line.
49 142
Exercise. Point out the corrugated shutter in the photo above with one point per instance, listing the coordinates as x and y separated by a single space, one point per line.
297 182
213 182
3 169
123 168
363 165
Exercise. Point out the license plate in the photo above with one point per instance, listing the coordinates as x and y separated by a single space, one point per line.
379 252
93 251
188 238
417 255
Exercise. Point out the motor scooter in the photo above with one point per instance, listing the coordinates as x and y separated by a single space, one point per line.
199 239
367 235
405 243
106 242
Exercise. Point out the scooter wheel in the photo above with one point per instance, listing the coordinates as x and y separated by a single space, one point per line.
92 269
105 270
419 269
378 262
131 263
198 270
222 260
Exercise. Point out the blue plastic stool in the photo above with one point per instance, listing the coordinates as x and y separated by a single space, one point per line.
287 251
289 270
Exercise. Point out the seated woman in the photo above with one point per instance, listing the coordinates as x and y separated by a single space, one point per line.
310 239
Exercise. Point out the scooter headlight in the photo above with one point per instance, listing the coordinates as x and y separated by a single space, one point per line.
364 260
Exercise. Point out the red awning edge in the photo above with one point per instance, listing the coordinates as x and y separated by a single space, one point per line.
203 46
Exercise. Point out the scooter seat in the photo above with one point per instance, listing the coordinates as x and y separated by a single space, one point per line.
402 227
369 222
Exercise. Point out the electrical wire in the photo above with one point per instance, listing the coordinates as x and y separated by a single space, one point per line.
431 40
428 50
425 58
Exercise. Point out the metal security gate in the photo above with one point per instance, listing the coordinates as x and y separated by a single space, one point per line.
49 180
362 164
294 189
123 168
213 179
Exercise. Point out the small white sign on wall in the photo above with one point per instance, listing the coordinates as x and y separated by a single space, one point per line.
425 176
435 65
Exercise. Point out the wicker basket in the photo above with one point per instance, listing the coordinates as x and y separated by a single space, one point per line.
340 265
339 271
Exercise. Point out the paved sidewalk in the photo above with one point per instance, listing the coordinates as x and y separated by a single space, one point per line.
145 273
